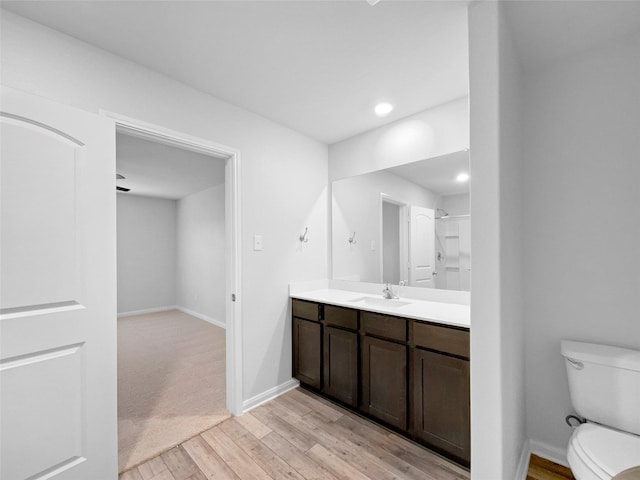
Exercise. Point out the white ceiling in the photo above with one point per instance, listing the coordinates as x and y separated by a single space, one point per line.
548 31
437 174
157 170
319 66
315 66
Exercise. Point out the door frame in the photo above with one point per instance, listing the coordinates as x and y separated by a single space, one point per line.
233 251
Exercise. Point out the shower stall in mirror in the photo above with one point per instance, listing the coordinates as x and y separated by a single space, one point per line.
453 250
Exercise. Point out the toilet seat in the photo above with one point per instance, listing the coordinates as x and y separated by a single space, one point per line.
598 453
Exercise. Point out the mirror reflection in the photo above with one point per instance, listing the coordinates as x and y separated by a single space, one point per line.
406 225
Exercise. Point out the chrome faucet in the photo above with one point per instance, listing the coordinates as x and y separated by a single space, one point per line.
388 293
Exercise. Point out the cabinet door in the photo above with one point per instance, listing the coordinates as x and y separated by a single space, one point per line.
341 365
440 401
307 353
384 381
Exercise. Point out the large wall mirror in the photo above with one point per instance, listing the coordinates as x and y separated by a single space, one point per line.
406 225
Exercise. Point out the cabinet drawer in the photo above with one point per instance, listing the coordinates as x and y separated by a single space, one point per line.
442 339
306 310
341 317
393 328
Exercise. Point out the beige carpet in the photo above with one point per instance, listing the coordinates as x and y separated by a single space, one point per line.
171 382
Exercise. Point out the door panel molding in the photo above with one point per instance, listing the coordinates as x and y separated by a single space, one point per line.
41 356
43 309
40 125
45 400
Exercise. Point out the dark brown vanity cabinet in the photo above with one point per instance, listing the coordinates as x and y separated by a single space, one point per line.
384 368
440 413
307 355
439 383
411 375
340 365
340 354
307 342
384 381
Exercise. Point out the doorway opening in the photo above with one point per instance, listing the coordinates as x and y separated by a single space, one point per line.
407 236
394 245
178 272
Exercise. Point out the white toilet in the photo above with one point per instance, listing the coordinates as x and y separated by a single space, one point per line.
604 383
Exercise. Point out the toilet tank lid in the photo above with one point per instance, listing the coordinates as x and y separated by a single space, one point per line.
601 354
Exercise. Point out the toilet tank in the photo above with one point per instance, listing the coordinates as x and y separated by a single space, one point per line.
604 383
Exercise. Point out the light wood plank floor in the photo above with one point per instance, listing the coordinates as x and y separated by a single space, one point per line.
542 469
297 436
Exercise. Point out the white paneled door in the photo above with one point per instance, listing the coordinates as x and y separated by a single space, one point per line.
421 247
57 292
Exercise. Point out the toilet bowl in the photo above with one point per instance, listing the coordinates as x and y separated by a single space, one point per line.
604 385
596 452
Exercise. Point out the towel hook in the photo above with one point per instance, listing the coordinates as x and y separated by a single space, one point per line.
303 237
352 239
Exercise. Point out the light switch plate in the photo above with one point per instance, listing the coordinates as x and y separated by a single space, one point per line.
257 243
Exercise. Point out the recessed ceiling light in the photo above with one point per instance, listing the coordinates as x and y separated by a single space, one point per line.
462 177
383 109
372 2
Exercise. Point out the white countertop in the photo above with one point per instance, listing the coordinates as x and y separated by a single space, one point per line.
439 312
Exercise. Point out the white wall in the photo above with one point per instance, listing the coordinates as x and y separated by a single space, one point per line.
434 132
284 173
200 255
356 208
510 215
582 219
554 156
146 253
497 364
171 253
455 204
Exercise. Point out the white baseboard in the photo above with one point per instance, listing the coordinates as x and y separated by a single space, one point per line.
211 320
523 464
544 450
147 310
269 395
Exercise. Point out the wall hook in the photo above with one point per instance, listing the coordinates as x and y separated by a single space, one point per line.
352 239
303 237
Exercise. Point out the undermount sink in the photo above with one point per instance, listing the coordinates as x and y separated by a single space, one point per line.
380 302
